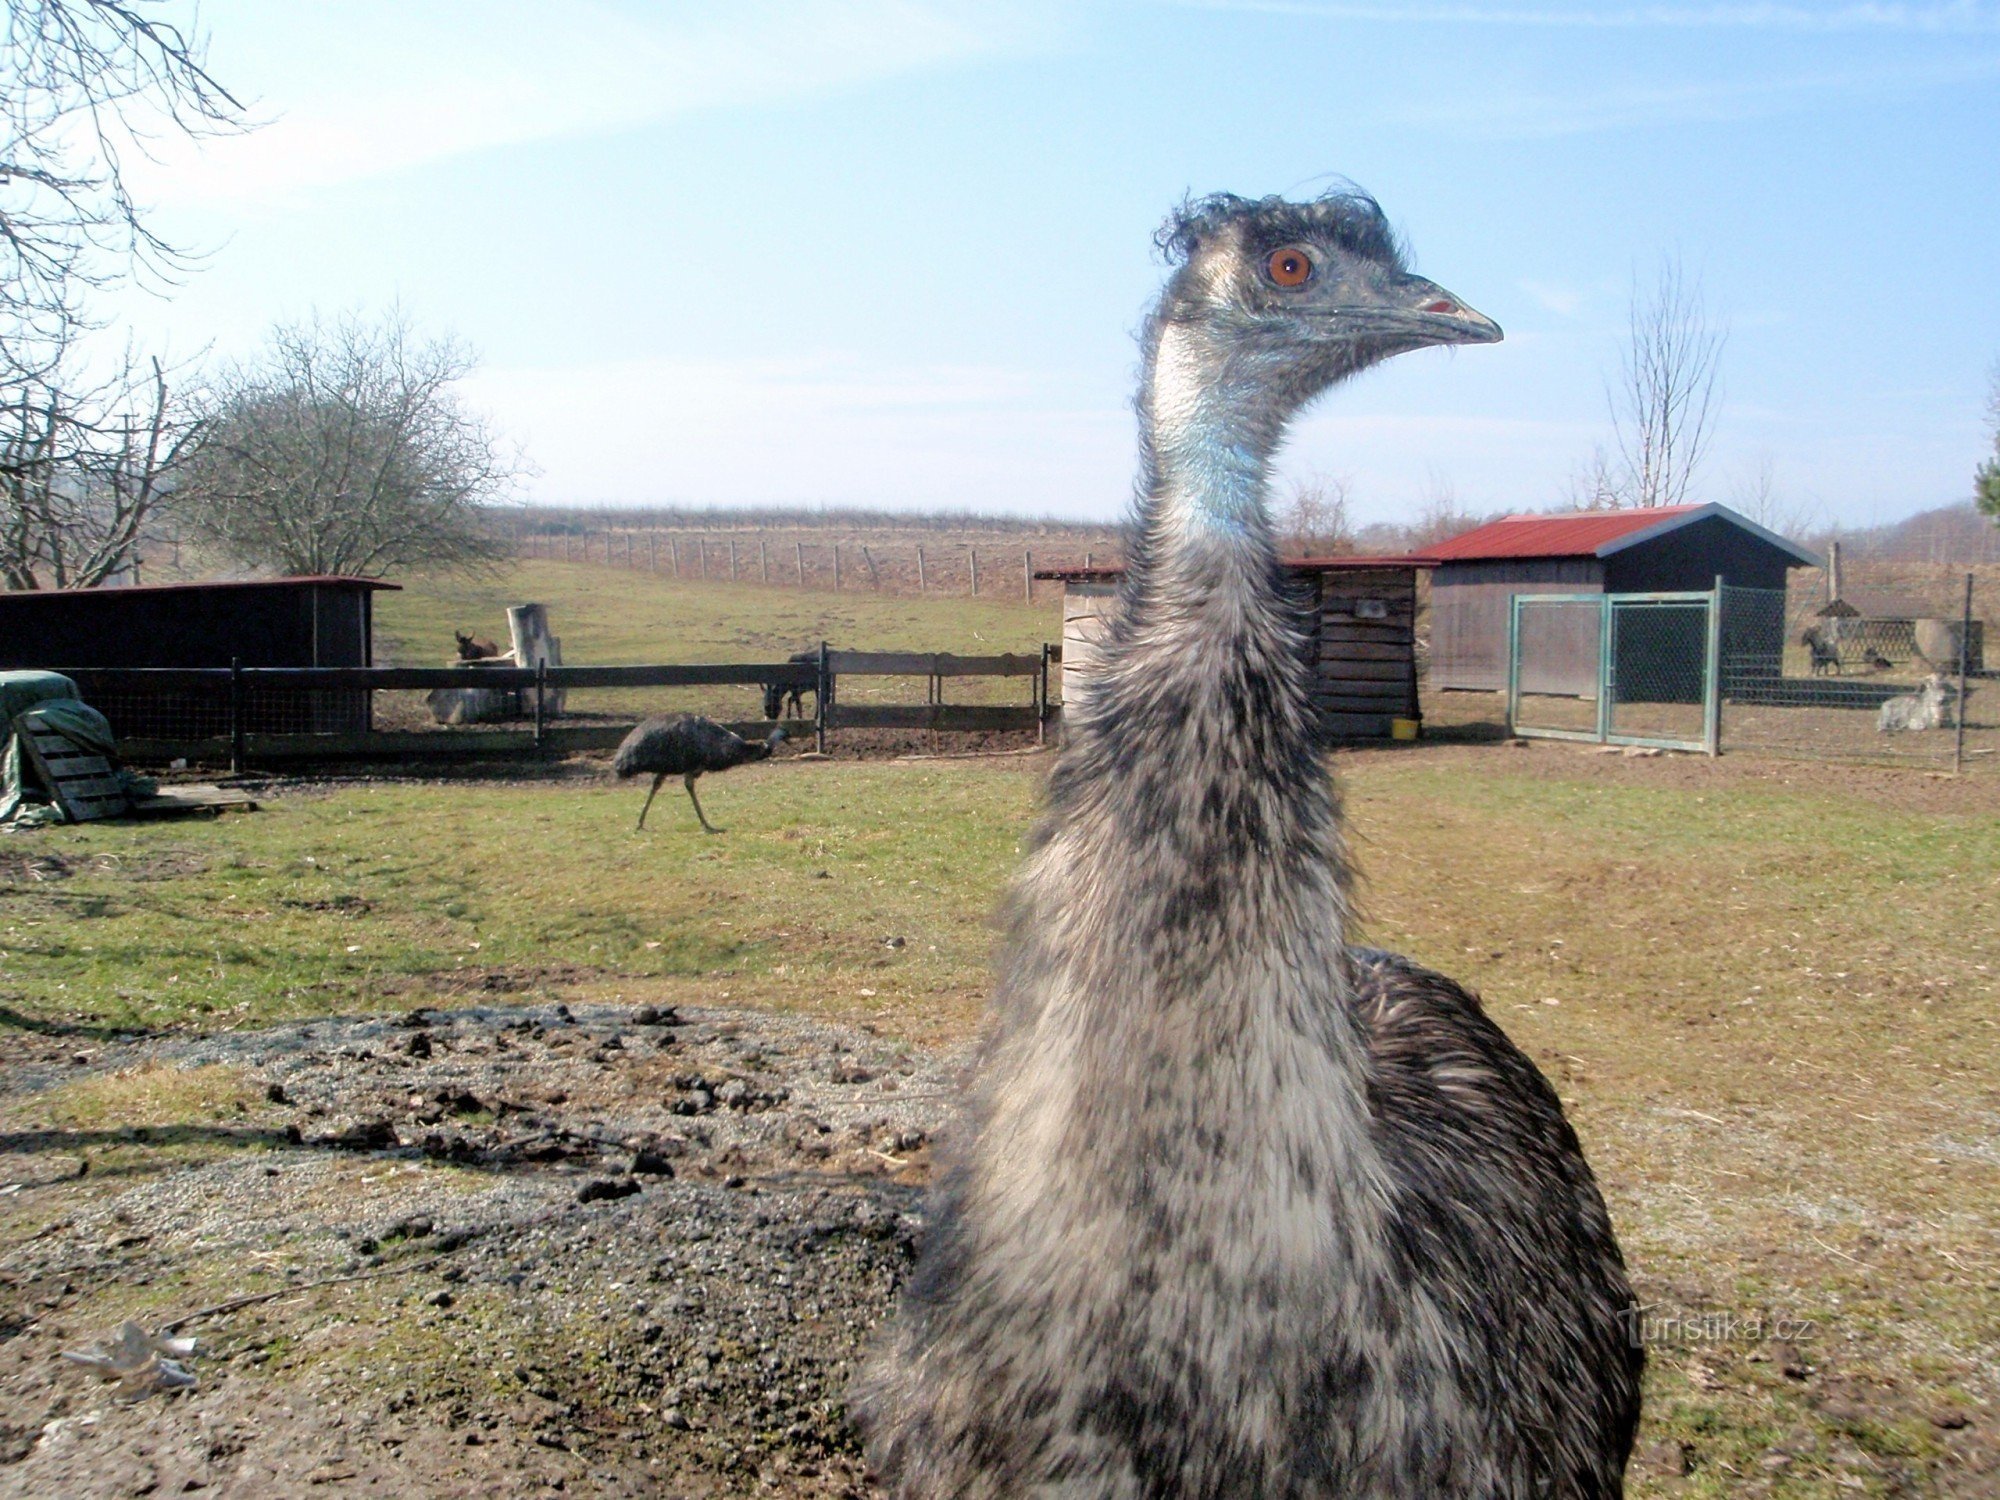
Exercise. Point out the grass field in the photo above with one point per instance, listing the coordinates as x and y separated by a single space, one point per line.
1768 1003
1764 990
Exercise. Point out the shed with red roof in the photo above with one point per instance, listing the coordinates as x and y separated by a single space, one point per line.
1671 548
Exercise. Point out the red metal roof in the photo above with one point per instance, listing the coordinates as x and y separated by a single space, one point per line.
333 579
1295 564
1584 534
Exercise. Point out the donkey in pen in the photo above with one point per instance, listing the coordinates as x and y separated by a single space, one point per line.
778 695
1824 645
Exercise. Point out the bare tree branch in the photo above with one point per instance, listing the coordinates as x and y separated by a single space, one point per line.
344 450
85 465
83 83
1313 521
1663 405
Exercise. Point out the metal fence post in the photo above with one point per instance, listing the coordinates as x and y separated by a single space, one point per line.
1606 665
1964 651
1711 703
541 699
236 737
1513 663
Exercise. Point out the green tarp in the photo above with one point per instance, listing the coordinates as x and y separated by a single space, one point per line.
53 698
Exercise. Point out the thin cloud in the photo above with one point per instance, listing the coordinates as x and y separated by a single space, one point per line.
1956 17
1537 115
374 87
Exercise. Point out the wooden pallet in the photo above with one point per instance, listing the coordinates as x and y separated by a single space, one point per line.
193 800
81 781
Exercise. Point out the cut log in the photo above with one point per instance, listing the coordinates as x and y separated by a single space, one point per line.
533 644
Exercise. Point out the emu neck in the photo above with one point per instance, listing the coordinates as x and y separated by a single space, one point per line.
1193 769
1209 439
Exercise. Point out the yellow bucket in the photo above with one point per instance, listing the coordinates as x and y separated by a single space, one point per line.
1402 729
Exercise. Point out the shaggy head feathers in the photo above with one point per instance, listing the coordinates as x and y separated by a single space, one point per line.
1346 218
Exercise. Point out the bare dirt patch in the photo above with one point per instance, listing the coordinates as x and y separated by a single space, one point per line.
511 1250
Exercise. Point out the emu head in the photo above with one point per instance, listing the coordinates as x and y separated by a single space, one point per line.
1282 300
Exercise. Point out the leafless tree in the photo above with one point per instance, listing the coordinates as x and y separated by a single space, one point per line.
85 465
1758 497
1313 520
1986 479
1663 404
83 83
344 449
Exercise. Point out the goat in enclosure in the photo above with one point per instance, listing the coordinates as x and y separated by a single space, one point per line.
1930 707
686 745
1238 1210
1825 648
778 695
474 648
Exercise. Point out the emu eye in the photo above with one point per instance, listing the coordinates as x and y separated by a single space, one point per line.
1290 266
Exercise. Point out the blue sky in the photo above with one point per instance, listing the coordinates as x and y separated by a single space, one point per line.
893 251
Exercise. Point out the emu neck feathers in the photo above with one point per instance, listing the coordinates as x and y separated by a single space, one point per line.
1194 844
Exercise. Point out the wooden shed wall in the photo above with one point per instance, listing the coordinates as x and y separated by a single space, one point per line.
1364 650
1360 644
1470 606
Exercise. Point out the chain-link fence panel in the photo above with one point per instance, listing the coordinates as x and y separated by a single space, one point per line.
1659 654
1806 675
1555 682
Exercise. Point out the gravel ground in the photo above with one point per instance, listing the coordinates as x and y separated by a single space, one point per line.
508 1250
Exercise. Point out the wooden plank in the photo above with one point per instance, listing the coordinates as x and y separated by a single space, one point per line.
1356 726
1008 665
1350 670
1360 590
929 664
81 781
1339 651
1344 609
1347 628
880 663
930 716
1390 701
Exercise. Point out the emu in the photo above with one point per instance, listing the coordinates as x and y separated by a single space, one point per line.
1234 1209
685 745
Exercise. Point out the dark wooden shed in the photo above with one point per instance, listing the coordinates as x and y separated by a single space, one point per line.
1361 638
270 622
1677 548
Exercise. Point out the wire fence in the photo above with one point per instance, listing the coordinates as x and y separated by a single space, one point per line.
1806 677
945 568
243 714
1880 674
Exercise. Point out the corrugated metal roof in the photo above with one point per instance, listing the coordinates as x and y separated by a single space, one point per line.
1596 533
1110 574
1581 535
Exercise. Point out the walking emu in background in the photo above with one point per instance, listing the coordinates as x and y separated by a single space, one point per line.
1237 1210
685 745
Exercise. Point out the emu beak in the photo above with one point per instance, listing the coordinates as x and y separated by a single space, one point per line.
1427 311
